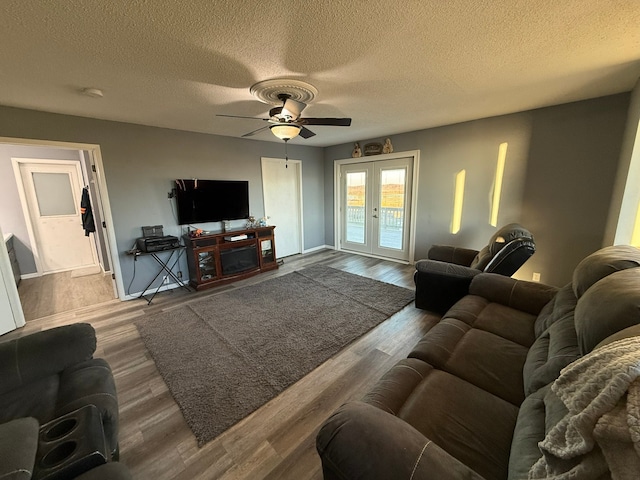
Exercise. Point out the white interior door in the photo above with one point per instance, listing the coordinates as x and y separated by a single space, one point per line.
282 191
375 207
52 193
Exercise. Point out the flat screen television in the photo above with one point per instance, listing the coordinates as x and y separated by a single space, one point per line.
201 201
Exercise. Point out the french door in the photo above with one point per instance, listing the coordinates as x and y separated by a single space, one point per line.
375 207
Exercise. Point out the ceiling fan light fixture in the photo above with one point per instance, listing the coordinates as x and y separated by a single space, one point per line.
285 132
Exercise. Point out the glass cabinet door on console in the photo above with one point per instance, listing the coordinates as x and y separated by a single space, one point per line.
267 245
266 250
207 265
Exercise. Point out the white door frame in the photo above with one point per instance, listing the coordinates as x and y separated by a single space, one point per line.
96 159
33 239
337 198
8 285
300 233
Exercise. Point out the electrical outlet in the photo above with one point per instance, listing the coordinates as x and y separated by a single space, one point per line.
165 280
179 274
535 277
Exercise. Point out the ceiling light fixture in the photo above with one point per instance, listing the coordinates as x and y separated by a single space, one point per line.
285 131
93 92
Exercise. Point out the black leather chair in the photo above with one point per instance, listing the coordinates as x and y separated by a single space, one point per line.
58 407
448 271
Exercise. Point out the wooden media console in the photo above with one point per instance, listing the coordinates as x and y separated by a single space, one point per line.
215 258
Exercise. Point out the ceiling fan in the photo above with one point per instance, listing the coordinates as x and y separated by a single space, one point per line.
286 120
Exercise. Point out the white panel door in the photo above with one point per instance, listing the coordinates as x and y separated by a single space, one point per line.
282 190
52 192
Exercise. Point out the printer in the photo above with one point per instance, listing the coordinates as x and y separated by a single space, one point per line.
154 240
157 244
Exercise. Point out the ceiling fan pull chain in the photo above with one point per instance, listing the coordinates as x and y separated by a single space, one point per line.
286 155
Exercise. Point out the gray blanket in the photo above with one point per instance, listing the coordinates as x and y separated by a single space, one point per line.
601 432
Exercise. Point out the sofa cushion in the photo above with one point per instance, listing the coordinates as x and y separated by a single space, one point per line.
355 443
556 342
529 297
36 399
509 323
18 446
484 359
609 306
602 263
444 408
397 384
561 304
538 414
553 350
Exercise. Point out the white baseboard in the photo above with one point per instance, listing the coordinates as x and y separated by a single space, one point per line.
151 291
26 276
321 247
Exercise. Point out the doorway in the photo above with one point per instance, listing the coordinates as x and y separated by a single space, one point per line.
282 191
63 204
375 206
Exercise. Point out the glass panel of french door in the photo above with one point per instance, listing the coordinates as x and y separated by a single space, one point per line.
356 207
392 204
391 207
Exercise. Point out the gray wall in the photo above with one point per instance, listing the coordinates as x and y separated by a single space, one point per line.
11 215
141 163
559 176
561 166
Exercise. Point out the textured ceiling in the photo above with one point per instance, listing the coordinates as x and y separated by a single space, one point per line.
392 66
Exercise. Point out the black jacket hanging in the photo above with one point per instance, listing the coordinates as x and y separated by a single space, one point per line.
87 214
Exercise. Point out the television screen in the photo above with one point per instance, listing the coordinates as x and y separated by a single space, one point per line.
201 201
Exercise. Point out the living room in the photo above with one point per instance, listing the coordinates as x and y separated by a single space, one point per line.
569 158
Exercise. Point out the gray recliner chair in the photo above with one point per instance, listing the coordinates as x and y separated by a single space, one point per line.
58 407
448 271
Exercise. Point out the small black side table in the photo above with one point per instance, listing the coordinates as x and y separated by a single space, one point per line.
165 266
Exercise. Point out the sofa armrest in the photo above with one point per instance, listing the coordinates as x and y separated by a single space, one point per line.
440 284
457 255
526 296
361 441
18 447
35 356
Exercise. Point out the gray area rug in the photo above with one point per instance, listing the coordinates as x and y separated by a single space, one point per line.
225 356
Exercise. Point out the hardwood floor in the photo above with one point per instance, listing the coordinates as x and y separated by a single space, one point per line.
278 440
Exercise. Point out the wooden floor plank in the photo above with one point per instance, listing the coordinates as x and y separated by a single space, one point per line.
278 440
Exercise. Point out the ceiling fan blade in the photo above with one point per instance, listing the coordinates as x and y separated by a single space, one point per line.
336 122
240 116
293 108
250 134
306 133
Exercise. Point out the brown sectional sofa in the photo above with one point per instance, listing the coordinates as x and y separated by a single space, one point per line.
473 398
